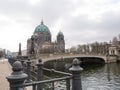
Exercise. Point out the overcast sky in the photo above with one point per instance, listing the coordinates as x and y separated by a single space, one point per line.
81 21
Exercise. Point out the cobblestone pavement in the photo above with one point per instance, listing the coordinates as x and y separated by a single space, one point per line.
5 70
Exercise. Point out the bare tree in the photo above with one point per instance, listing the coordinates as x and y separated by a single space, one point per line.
79 49
73 49
119 37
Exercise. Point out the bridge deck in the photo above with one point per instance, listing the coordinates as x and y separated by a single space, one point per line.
52 57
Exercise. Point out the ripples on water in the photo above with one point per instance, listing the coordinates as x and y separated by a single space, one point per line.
105 77
98 77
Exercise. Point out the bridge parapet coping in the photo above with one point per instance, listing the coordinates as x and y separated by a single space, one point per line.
72 56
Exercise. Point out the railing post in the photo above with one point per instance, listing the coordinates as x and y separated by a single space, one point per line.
40 73
52 76
28 70
22 61
55 65
68 84
17 77
25 67
76 75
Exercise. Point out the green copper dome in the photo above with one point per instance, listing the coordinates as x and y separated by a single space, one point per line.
60 33
41 28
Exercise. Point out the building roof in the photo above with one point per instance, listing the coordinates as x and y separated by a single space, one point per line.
41 28
60 33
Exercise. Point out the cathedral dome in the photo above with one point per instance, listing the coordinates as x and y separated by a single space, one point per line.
41 28
60 33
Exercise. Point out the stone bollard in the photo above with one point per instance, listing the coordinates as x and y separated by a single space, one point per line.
76 75
17 78
28 70
40 73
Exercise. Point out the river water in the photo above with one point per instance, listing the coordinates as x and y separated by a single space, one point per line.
97 76
101 77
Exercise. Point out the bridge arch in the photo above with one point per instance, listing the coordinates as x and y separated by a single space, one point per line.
56 57
91 60
63 62
83 59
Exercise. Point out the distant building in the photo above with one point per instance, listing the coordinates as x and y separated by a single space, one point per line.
114 49
41 43
2 52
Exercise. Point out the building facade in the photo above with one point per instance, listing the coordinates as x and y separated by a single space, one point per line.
41 42
114 49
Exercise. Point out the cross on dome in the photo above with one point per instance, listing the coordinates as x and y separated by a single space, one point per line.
42 21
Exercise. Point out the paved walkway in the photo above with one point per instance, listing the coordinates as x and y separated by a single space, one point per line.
5 70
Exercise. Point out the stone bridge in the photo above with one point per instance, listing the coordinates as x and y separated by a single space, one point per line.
60 56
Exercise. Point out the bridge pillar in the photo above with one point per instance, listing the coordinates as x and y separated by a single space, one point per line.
76 73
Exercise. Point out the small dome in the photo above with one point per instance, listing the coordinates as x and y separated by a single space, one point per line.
41 28
60 33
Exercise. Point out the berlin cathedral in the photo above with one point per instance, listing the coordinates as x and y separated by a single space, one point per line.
41 43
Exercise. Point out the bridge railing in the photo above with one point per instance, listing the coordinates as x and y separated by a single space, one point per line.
18 78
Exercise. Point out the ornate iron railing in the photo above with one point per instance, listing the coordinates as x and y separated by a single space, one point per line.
19 80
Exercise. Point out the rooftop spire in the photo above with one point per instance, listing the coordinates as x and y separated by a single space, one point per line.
42 21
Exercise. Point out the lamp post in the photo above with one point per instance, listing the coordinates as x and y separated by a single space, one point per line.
107 52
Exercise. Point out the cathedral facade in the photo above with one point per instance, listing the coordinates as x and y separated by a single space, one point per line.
41 43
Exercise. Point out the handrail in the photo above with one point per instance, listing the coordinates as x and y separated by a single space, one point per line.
18 77
59 72
44 81
47 81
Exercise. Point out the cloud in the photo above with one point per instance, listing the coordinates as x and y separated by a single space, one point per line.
81 21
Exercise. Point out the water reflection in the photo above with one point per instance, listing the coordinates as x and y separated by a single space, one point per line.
98 77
